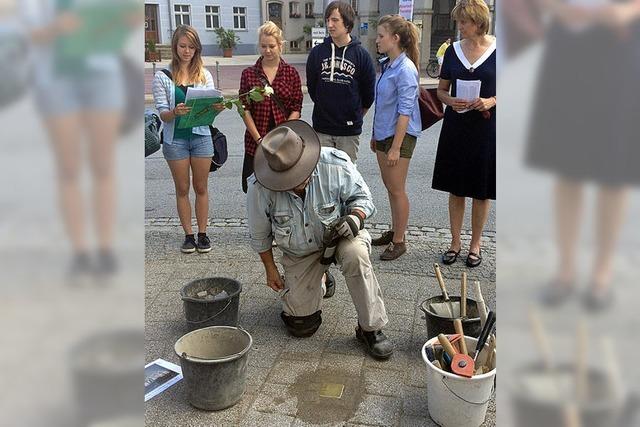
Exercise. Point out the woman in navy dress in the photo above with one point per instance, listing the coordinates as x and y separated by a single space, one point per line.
466 157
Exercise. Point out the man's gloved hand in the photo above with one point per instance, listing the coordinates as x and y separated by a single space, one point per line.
348 226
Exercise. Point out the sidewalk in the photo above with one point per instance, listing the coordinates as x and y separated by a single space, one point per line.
282 369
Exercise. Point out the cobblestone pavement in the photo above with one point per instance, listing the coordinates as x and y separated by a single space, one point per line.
281 369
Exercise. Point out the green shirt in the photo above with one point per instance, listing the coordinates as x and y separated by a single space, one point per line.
180 96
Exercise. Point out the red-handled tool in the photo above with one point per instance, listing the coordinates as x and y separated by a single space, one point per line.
461 364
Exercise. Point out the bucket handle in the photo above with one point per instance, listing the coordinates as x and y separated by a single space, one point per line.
212 317
493 387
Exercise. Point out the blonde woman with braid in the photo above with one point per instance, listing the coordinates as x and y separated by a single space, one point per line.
396 124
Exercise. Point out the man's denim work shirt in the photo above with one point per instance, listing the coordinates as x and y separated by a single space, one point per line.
297 226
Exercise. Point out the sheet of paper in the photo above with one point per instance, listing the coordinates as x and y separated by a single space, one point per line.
159 375
201 101
468 90
202 92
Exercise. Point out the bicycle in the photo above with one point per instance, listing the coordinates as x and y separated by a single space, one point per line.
433 68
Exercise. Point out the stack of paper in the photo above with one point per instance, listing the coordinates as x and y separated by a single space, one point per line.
201 101
469 90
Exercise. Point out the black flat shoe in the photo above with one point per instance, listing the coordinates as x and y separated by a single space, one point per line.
450 257
471 262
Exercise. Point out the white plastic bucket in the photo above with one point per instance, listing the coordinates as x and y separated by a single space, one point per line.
455 401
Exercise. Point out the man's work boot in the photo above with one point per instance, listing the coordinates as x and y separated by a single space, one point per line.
378 345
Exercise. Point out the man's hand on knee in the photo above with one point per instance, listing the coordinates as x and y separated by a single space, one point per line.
349 225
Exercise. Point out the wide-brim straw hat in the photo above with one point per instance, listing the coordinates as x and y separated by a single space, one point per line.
287 155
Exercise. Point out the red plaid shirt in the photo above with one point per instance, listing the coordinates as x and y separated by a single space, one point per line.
286 85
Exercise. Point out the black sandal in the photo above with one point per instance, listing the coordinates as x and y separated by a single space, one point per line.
473 262
450 257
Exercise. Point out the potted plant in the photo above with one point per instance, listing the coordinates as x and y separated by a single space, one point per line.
227 40
150 52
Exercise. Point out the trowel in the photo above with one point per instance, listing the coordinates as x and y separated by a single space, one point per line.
444 309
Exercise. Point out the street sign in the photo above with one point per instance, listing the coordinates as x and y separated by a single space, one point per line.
315 42
318 32
405 8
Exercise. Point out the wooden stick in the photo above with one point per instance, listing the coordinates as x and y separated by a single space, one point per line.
457 324
463 295
582 375
482 308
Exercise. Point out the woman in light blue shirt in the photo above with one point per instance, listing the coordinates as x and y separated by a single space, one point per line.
396 124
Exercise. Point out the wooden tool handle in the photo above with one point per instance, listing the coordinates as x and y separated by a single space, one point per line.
446 345
436 267
463 295
482 308
457 324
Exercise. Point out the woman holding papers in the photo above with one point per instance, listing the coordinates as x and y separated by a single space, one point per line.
284 104
396 124
188 151
466 158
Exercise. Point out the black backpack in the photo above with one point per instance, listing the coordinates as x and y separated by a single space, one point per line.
218 139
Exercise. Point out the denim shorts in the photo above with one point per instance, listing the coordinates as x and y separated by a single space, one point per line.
195 146
101 92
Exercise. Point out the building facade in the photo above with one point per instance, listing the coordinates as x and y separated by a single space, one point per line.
243 16
296 18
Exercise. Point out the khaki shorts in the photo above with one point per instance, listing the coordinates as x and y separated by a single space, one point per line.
406 149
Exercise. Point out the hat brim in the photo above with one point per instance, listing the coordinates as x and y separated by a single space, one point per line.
291 178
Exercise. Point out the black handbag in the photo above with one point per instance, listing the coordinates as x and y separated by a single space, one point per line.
218 139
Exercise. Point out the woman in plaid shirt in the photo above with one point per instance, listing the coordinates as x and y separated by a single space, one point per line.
286 102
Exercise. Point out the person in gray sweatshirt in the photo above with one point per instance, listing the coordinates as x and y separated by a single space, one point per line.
341 81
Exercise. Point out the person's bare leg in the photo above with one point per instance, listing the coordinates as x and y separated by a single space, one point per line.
180 172
103 130
67 148
395 178
479 216
200 167
456 217
611 210
568 217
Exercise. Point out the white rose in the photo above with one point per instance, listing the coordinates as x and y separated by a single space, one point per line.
268 90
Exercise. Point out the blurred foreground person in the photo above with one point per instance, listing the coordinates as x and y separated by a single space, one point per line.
80 94
584 130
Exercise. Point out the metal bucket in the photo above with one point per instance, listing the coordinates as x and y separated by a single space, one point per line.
214 365
444 325
219 310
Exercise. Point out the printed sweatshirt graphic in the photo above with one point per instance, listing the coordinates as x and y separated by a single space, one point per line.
341 82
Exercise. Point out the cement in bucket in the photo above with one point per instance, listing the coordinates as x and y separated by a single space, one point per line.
214 365
456 401
444 325
218 308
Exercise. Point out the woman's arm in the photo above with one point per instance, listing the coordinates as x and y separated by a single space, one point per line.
251 125
295 102
393 155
